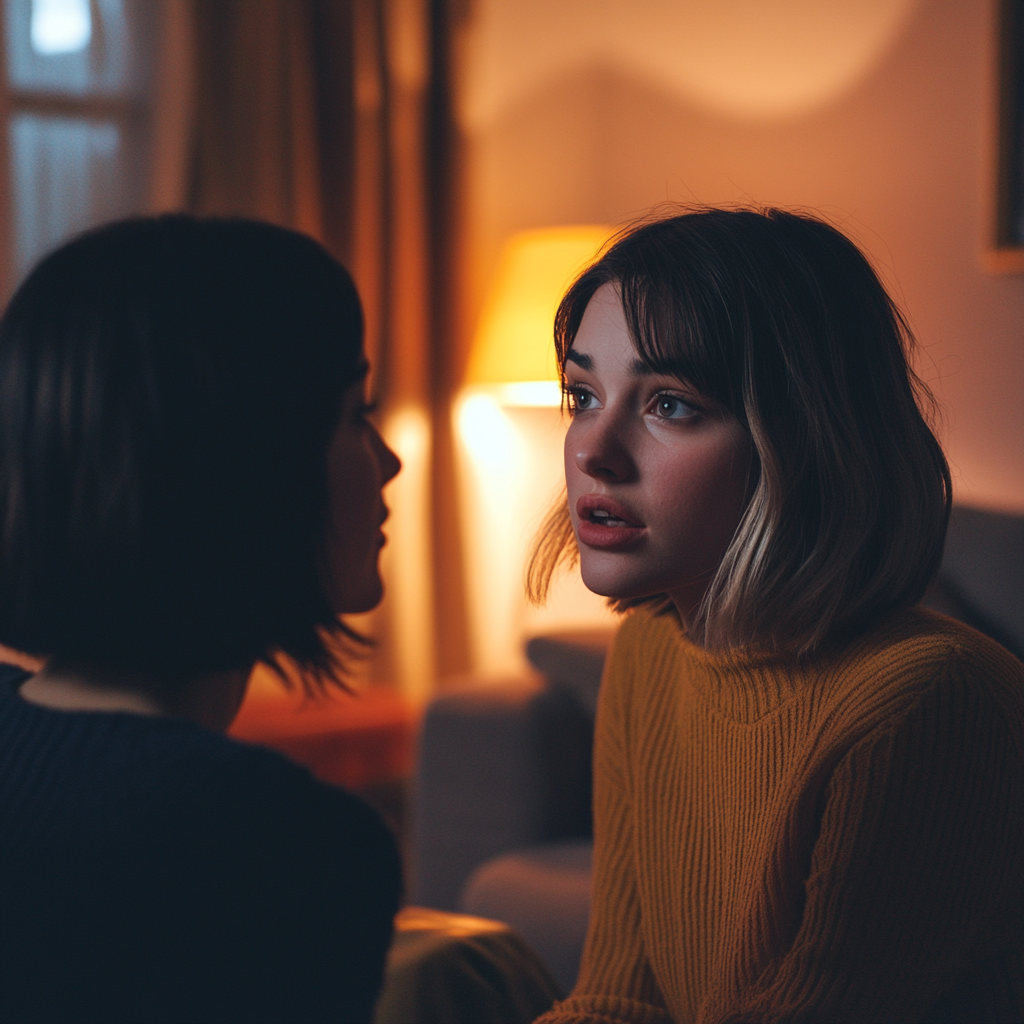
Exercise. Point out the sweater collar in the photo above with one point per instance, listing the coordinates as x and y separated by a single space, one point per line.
741 684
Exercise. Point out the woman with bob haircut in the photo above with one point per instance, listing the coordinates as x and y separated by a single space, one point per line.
188 485
809 791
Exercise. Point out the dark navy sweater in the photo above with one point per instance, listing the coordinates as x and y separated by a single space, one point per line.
151 870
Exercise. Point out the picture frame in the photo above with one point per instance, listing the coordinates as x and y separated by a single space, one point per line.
1005 254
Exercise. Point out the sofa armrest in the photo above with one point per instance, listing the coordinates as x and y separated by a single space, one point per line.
500 766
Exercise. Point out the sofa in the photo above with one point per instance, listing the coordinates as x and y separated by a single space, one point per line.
501 814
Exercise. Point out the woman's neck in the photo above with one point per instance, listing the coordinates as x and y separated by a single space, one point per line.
208 700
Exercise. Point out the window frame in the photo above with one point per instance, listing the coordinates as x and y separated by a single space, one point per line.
1005 252
131 111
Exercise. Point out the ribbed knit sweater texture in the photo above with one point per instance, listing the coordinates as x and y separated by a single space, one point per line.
828 841
154 871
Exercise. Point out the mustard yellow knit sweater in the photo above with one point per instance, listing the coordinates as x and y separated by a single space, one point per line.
836 841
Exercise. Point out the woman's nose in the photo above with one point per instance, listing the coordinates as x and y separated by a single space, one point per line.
601 450
390 463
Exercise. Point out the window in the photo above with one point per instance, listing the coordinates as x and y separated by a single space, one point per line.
78 97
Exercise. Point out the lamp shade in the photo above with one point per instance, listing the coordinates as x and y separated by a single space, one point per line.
514 342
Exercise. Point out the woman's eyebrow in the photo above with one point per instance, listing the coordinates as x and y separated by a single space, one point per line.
639 368
642 368
581 359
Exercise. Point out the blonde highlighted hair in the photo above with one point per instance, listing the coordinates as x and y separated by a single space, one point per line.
780 318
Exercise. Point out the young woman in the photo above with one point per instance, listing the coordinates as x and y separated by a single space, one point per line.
188 485
809 792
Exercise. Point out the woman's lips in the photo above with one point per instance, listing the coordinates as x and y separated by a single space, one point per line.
606 524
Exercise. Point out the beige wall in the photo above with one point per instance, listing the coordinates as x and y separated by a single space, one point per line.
886 133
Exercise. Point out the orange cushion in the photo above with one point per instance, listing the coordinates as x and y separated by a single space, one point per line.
349 740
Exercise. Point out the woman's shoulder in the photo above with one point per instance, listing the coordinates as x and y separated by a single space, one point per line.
906 653
270 888
250 820
243 788
917 670
159 780
918 646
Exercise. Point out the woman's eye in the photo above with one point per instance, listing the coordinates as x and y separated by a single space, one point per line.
579 399
672 407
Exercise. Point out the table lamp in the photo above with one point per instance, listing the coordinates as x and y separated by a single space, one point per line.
513 350
510 432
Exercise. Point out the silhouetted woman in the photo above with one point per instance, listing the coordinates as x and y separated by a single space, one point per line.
188 485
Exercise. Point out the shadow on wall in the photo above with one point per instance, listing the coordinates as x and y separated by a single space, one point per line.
898 162
599 142
744 58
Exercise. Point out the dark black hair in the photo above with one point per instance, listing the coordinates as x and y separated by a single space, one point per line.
168 390
779 318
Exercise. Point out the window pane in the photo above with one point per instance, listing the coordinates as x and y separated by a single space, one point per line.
116 33
66 177
60 26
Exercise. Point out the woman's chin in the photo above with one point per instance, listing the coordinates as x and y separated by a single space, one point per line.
356 600
611 582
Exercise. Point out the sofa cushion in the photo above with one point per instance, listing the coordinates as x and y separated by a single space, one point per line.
500 767
543 892
981 580
573 662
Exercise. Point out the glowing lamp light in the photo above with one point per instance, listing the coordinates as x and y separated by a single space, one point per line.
510 441
487 433
60 26
513 354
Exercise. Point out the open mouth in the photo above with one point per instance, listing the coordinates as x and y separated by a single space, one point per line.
602 517
604 523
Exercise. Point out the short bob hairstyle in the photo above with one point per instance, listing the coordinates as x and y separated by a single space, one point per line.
781 320
168 391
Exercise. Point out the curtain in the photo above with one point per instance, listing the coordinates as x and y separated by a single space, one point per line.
274 115
334 117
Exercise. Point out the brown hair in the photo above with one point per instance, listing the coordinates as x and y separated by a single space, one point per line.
168 392
780 318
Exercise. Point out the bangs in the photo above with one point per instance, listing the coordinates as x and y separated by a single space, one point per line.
684 340
679 324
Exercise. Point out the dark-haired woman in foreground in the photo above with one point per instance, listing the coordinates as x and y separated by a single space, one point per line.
188 485
809 792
